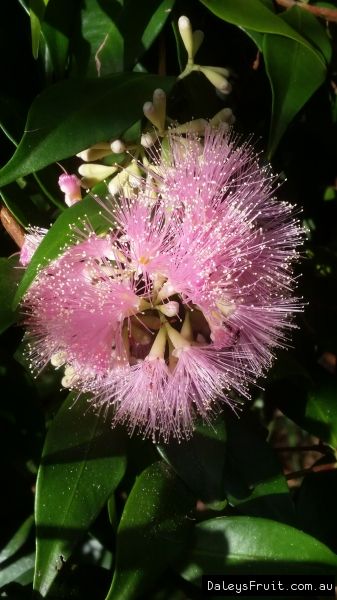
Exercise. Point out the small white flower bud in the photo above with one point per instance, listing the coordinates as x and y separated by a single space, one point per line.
217 79
152 115
117 146
185 30
148 139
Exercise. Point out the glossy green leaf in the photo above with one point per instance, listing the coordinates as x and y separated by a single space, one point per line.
72 115
10 275
310 28
61 235
295 73
311 403
113 36
253 478
83 461
57 29
256 15
250 545
18 540
316 506
21 571
36 9
152 533
200 461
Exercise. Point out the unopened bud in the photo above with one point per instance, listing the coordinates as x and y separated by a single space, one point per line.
93 173
71 186
58 358
152 115
223 116
95 152
117 147
185 30
217 79
148 139
116 184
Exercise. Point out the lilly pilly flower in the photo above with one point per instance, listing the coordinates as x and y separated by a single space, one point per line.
181 305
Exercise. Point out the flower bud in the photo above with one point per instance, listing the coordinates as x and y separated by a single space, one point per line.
95 152
223 116
217 79
152 115
116 184
148 139
71 186
118 146
94 173
185 30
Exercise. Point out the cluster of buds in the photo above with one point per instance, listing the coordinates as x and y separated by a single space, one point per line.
192 40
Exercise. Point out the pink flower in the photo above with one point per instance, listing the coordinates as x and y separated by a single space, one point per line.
33 238
181 307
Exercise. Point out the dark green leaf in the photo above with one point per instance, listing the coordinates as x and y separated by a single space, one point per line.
57 28
152 533
253 479
311 403
316 506
83 461
72 115
114 36
61 235
250 545
18 539
21 571
200 461
10 275
295 72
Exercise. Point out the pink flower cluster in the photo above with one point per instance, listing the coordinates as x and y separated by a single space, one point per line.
180 306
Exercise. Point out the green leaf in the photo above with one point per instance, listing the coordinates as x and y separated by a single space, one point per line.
21 571
72 115
10 275
253 479
83 461
57 28
309 402
18 539
60 236
36 10
114 36
316 506
311 29
256 15
250 545
153 531
295 72
200 461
